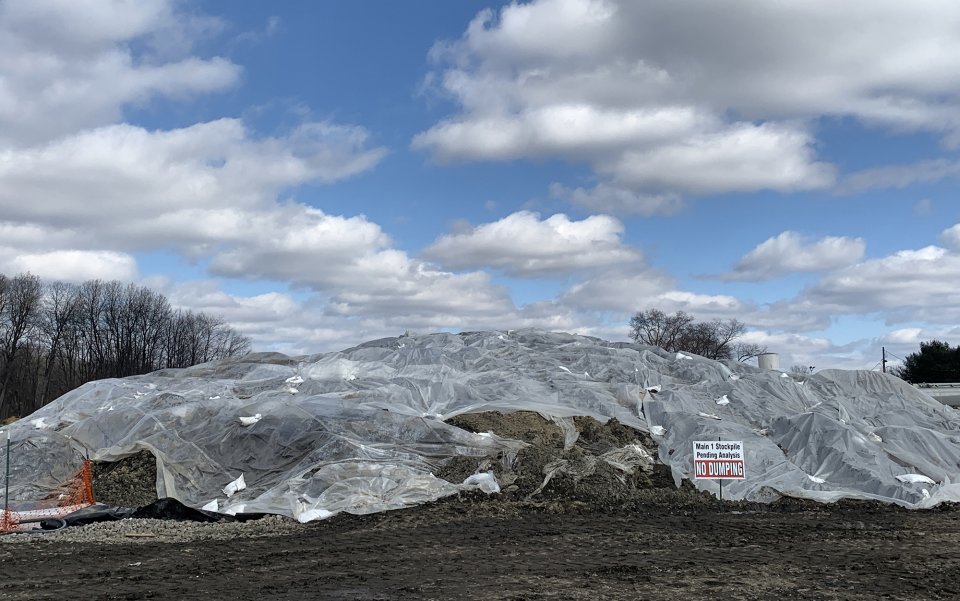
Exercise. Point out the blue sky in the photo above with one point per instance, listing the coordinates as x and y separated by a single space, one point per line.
322 173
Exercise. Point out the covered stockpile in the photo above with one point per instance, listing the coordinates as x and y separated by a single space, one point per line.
374 427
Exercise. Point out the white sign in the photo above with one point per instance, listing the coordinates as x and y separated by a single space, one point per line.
718 460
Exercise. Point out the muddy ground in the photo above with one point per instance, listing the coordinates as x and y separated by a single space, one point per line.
592 530
465 548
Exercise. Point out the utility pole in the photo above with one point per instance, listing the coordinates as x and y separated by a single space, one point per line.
883 361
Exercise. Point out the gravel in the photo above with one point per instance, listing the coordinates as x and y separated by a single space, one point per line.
160 531
129 482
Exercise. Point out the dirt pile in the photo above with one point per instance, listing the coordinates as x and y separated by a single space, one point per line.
576 460
607 465
129 482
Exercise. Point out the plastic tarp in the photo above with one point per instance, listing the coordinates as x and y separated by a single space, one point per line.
362 430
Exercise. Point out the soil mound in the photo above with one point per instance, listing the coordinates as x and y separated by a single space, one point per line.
609 464
129 482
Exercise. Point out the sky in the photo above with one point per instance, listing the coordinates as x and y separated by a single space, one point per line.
322 173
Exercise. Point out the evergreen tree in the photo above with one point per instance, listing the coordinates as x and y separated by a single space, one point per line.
936 362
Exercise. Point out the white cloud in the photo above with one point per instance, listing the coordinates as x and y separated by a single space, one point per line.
196 185
209 191
619 291
741 158
626 291
607 198
794 349
73 265
909 285
280 321
788 253
274 320
899 176
558 129
521 244
651 96
214 164
68 65
910 336
950 237
663 99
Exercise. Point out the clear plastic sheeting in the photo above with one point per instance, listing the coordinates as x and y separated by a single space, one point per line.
362 430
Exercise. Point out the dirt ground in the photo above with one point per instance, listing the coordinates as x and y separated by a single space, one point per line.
469 548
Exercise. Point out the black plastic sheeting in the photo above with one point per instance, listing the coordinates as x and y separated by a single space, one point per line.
161 509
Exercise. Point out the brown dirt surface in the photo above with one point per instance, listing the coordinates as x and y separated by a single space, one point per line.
582 477
129 482
520 425
468 548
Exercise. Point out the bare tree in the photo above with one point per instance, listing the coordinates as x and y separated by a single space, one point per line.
61 306
656 328
56 337
801 369
23 294
681 332
745 351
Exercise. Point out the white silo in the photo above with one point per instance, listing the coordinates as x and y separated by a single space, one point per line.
768 361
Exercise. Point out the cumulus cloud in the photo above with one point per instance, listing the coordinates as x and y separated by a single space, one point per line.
66 66
607 198
742 158
794 349
663 99
789 253
911 336
297 324
625 291
72 265
950 237
908 285
657 102
521 244
207 165
619 291
115 187
348 260
899 176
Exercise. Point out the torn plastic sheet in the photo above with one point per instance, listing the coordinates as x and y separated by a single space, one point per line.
485 481
365 430
234 487
249 420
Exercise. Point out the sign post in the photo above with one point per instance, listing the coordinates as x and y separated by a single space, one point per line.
718 460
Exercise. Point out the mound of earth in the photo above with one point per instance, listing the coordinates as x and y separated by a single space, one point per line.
129 482
609 464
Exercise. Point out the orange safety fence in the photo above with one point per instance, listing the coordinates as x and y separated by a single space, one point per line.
74 495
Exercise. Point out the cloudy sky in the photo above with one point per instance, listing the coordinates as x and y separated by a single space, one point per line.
323 173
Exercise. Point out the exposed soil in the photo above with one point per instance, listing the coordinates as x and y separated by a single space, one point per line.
469 548
546 471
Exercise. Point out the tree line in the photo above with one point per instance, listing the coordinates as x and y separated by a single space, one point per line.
717 339
57 336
